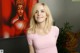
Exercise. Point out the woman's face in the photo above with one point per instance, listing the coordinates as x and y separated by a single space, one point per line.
40 14
20 10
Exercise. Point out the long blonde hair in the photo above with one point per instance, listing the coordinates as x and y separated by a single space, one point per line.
49 20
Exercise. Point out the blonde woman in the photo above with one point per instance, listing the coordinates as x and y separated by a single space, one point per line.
42 35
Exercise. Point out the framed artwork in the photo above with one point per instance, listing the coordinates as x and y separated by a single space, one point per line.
14 18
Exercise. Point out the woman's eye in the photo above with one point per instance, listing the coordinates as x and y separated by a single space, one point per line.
18 8
36 12
42 11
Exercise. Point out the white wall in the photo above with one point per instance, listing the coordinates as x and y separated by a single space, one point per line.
72 11
57 10
65 10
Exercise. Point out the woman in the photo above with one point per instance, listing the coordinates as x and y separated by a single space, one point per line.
20 20
41 35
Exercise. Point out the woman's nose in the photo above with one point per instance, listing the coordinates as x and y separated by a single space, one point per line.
39 13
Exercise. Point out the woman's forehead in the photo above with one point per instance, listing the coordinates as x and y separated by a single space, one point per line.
39 7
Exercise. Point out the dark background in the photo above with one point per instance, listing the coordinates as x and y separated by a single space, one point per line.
14 45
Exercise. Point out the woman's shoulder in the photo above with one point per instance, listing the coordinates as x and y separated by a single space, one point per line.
30 33
55 28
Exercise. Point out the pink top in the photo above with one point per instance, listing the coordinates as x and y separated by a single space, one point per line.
44 43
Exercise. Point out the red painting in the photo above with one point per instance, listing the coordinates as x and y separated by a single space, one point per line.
15 16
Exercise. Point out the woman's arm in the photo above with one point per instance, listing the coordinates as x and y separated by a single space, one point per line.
30 42
31 49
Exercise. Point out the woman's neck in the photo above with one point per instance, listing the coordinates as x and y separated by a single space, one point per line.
41 25
40 28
